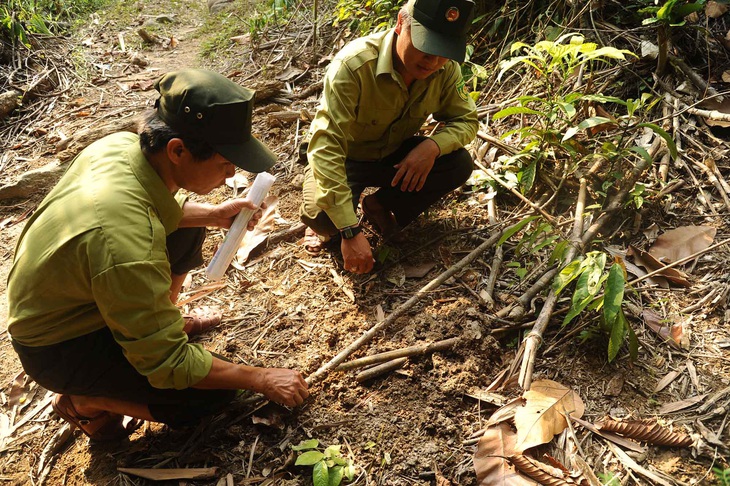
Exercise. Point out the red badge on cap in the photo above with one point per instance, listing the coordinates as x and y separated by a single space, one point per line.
452 14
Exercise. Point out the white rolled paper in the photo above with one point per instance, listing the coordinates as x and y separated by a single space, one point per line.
223 257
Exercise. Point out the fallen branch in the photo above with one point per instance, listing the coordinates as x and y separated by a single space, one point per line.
400 311
400 353
488 294
168 474
381 369
534 337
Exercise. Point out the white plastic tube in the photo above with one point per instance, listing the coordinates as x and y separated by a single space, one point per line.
223 257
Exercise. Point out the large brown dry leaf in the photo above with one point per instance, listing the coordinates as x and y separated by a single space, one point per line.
267 224
682 242
646 260
506 411
490 458
543 415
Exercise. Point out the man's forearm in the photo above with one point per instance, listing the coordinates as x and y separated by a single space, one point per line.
198 215
225 375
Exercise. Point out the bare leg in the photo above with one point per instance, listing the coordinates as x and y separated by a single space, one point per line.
93 406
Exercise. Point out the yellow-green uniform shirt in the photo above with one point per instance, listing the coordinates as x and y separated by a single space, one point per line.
366 112
94 254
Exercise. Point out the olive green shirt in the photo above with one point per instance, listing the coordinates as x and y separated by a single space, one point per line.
366 112
94 254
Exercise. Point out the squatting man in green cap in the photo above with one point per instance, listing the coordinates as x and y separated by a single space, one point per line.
99 266
378 91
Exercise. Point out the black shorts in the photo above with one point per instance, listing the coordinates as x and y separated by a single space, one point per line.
94 365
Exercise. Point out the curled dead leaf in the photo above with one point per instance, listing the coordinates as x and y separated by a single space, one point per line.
646 431
715 9
671 332
650 263
541 472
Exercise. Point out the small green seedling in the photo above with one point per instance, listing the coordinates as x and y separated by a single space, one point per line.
328 467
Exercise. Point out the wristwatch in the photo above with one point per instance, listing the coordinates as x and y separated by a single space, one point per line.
350 232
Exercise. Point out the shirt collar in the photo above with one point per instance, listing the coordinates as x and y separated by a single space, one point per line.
385 59
168 209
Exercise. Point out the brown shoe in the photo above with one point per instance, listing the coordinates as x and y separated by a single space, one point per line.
200 320
106 426
382 219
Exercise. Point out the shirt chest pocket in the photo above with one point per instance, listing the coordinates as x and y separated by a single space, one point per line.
417 115
372 123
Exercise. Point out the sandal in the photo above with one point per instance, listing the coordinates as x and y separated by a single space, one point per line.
382 219
312 242
200 320
106 426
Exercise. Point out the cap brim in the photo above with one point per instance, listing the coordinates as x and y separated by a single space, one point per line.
437 44
252 156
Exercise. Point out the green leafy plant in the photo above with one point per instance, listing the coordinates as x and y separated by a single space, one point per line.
329 467
365 16
669 15
588 272
555 127
21 18
723 476
609 479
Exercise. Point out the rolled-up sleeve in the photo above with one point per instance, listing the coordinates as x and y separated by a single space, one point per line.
134 301
328 144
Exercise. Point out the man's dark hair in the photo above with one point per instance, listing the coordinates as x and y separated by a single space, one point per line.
155 133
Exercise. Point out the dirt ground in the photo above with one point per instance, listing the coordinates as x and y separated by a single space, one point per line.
286 308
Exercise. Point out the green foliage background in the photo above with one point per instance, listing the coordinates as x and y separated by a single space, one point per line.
20 18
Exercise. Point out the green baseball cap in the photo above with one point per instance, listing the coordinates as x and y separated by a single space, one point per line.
439 27
207 106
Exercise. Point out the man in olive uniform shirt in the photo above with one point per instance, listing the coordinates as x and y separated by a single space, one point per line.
378 91
98 267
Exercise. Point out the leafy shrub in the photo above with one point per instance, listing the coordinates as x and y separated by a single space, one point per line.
365 16
21 18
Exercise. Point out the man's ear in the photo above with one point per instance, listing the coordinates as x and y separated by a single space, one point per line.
176 150
399 23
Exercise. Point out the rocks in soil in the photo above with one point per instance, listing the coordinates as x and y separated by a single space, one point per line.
8 102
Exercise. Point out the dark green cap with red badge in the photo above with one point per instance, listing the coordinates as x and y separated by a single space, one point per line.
207 106
440 27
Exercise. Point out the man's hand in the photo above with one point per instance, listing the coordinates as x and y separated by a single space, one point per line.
357 254
414 168
227 211
283 386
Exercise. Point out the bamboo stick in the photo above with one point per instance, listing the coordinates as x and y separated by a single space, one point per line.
400 353
381 369
401 310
